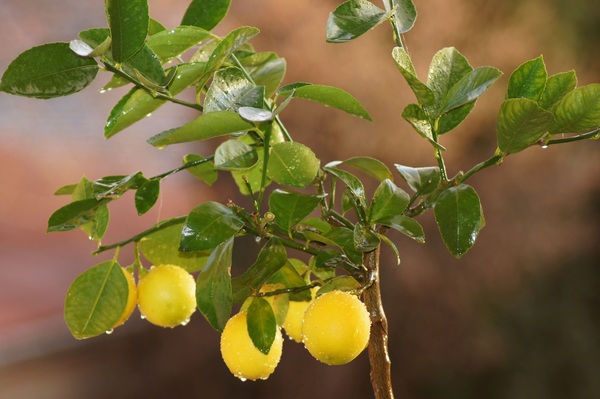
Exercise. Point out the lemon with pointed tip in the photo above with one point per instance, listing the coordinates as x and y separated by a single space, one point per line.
336 327
240 355
131 298
167 295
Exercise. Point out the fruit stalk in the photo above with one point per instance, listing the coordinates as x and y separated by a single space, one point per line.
381 377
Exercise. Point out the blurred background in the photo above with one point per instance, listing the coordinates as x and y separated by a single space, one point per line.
517 317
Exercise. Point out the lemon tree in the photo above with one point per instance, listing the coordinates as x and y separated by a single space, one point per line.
290 200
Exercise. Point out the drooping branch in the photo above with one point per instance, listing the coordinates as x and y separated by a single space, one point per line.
381 377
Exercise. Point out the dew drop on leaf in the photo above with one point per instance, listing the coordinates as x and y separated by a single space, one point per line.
108 332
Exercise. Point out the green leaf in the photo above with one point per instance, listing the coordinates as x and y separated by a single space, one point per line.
405 15
146 68
161 248
205 14
291 208
154 27
214 295
146 196
235 155
520 124
97 226
419 120
262 325
343 238
66 190
230 89
255 115
96 300
353 182
271 258
365 239
421 180
204 127
424 94
48 71
292 164
340 283
169 44
75 214
469 88
405 225
139 103
128 21
458 215
115 186
452 119
204 171
327 95
352 19
289 277
578 111
528 80
265 69
207 226
371 166
557 87
447 67
388 200
252 176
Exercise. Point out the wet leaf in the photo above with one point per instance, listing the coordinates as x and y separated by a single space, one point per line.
340 283
422 180
406 225
265 69
352 19
520 124
146 196
96 300
169 44
459 217
205 14
262 325
365 239
292 164
388 201
255 115
424 94
447 67
528 80
291 208
205 171
469 88
419 120
75 214
230 89
289 277
128 21
48 71
371 166
405 15
557 87
578 111
235 155
207 226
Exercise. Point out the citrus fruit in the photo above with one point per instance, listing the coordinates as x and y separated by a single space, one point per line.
131 298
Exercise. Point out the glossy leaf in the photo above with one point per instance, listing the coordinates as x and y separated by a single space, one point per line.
291 208
204 171
139 103
292 164
146 68
96 300
447 67
207 226
204 127
327 95
343 238
115 186
235 155
371 166
352 19
128 21
262 325
265 69
557 87
405 15
289 277
340 283
205 14
365 239
458 215
161 248
388 200
422 180
452 119
169 44
75 214
353 182
528 80
214 296
469 88
154 27
252 177
520 124
419 120
578 111
406 225
146 196
271 258
424 94
48 71
97 226
255 115
230 89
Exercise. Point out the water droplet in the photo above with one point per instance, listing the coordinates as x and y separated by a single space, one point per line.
102 91
149 115
142 316
241 378
185 322
108 332
545 146
257 239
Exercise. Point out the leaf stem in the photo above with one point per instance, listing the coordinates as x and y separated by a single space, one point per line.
589 135
188 165
495 160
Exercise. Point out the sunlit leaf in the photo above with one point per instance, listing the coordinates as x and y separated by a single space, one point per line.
265 69
405 15
48 71
406 225
424 94
204 171
578 111
520 124
419 120
447 67
422 180
557 87
169 44
205 14
292 164
128 21
262 325
528 80
388 200
96 300
289 277
352 19
231 89
207 226
235 155
75 214
340 283
371 166
469 88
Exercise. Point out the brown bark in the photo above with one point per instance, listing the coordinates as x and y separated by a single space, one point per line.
381 377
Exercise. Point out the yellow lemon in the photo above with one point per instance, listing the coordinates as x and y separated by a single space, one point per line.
167 295
336 327
131 298
242 358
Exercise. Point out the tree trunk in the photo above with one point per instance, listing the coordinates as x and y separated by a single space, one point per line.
381 377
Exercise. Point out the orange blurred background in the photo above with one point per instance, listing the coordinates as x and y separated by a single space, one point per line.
517 317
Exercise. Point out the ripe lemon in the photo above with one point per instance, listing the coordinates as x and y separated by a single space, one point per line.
241 356
336 327
167 295
293 319
131 299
